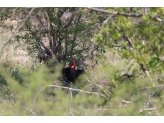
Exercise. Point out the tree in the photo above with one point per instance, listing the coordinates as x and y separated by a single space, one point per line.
63 42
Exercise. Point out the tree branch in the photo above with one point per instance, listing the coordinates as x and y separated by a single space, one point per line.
50 39
144 70
49 35
149 109
95 93
41 23
156 18
108 19
116 12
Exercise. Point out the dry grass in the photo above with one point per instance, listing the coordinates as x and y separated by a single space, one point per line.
15 53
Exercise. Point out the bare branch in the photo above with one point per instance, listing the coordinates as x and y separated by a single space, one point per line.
108 19
33 113
37 95
127 102
41 23
49 35
116 13
156 18
144 70
47 49
149 109
95 93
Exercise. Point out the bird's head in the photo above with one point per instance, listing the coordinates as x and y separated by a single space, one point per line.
72 64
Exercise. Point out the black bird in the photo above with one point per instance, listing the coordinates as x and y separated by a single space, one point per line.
130 76
70 73
126 76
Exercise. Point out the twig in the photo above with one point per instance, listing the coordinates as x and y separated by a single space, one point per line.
9 40
108 19
149 109
30 111
127 102
37 95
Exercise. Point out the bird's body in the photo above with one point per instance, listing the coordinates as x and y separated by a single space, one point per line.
70 74
126 76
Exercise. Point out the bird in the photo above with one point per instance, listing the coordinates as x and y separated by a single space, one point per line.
126 76
70 73
129 76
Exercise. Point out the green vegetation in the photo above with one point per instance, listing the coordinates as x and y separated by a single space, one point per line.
36 43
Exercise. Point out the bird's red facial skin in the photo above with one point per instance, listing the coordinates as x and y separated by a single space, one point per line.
72 65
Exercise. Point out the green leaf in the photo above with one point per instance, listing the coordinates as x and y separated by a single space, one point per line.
85 11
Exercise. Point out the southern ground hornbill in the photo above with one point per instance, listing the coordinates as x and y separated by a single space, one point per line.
70 73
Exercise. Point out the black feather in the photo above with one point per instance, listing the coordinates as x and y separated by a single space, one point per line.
71 75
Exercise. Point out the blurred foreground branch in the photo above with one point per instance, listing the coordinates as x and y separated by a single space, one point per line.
72 89
95 93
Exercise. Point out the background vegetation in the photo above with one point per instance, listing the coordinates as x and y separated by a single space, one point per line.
36 43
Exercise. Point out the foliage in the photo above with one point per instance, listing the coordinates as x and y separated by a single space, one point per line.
119 44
